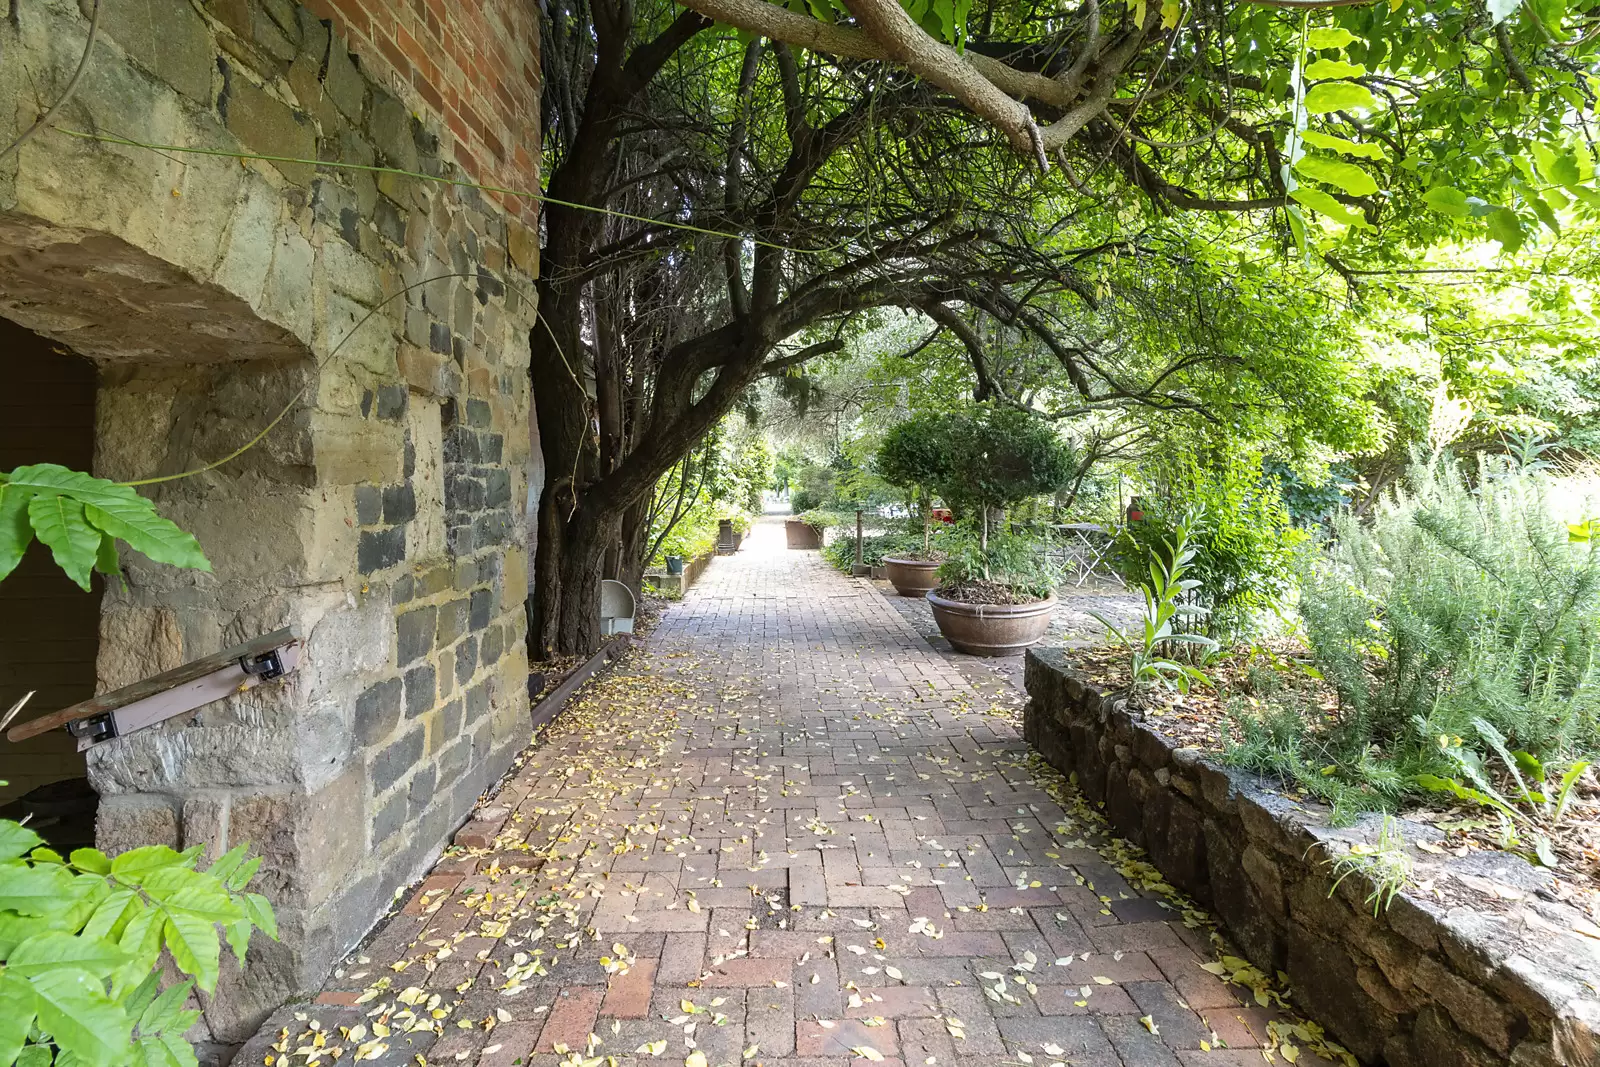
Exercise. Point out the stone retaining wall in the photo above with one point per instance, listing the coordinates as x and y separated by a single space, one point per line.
1486 968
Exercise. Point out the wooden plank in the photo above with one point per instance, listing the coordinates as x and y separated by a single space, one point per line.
153 685
548 708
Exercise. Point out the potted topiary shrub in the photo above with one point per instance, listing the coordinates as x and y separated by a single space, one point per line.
996 593
915 457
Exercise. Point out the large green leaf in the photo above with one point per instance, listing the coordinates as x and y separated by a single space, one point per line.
1347 177
16 1015
35 890
74 1009
261 914
1338 96
79 498
16 840
147 532
54 950
1444 199
60 523
1329 37
1334 68
136 864
1505 227
195 946
1339 144
92 860
111 915
15 531
165 1010
241 877
1323 204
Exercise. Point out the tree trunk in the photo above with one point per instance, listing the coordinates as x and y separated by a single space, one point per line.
632 542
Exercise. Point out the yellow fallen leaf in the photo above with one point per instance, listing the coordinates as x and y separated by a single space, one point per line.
695 1059
1100 980
1149 1024
866 1051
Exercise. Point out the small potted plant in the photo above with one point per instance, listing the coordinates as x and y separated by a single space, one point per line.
997 593
915 457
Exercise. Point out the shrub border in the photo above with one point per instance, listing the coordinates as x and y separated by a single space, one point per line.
1488 970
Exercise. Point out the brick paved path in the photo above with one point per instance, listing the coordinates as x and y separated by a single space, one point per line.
787 832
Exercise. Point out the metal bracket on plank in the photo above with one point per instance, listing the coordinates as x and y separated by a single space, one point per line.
161 697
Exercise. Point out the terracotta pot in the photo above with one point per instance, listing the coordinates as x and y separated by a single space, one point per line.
991 629
912 577
801 534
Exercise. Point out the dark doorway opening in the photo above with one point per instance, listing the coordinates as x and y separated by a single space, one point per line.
49 627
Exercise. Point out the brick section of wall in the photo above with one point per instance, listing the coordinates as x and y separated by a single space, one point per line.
474 67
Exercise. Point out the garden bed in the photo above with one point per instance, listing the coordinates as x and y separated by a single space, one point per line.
673 586
1476 961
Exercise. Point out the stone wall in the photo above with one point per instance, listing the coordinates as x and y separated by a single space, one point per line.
387 315
1483 966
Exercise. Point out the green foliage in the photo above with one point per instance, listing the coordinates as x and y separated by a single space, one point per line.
1149 647
692 536
1460 602
1385 864
1010 560
81 939
1000 456
1244 545
915 455
1461 629
804 500
721 478
1307 502
1532 802
841 551
80 518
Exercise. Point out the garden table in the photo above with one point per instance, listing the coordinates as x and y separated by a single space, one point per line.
1086 545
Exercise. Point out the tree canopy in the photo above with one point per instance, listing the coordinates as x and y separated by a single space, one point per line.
1142 221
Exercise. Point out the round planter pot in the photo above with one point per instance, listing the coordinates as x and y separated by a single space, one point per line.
991 629
912 577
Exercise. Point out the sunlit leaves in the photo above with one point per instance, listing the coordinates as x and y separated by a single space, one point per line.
1447 201
1334 68
1323 204
1347 177
1329 37
1328 97
1505 227
1340 144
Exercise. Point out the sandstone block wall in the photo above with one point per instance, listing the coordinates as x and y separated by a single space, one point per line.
1478 963
383 514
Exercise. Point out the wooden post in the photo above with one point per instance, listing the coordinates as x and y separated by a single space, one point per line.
858 537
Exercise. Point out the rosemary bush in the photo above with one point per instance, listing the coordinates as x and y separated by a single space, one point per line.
1461 629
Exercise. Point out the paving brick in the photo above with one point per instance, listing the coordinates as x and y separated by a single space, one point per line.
571 1018
894 1002
509 1044
682 956
769 1021
749 972
836 1037
628 995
